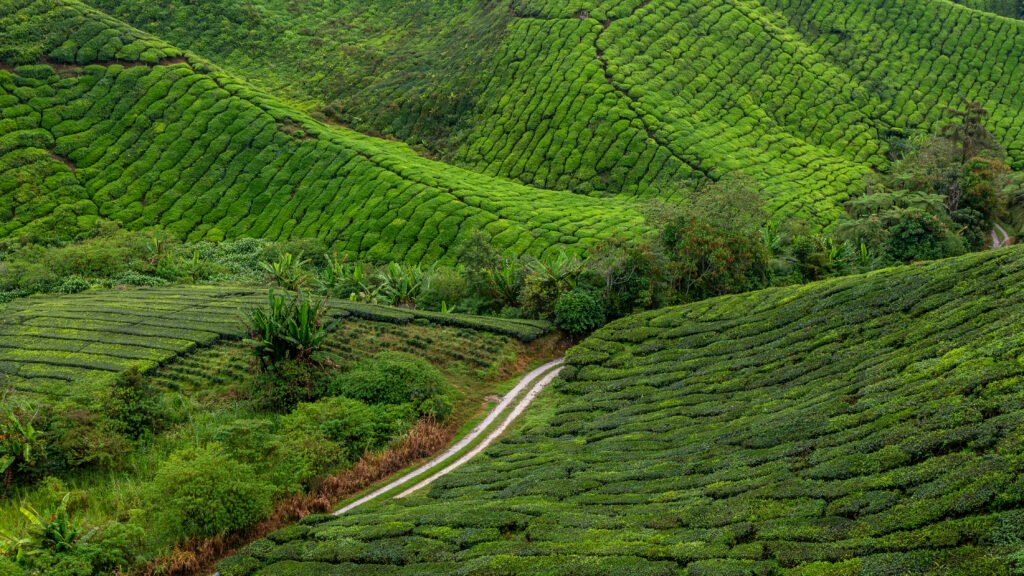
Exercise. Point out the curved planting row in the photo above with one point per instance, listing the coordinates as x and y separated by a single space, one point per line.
635 97
918 57
863 426
73 345
208 158
802 95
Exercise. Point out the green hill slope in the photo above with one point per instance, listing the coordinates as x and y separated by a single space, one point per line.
629 97
100 120
864 426
75 346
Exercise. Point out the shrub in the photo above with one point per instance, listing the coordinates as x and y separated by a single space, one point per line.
73 285
319 437
77 438
445 288
203 492
134 404
20 442
282 385
397 378
579 312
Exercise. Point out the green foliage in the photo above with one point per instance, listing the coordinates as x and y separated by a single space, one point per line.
288 271
397 378
337 431
401 285
134 405
713 244
288 328
862 425
280 386
155 140
20 442
941 199
204 492
579 312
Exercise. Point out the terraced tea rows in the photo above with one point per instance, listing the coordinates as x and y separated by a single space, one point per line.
867 425
636 97
203 155
74 346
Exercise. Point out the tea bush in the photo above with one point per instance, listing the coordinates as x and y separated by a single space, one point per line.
150 138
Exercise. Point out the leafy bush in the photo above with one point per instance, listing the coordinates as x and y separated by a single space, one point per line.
352 425
73 285
397 378
282 385
203 492
20 442
134 405
579 312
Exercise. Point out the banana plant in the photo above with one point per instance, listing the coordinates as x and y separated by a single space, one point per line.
402 285
288 271
18 438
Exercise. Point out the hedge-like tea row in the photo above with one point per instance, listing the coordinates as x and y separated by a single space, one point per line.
74 345
204 156
868 426
625 97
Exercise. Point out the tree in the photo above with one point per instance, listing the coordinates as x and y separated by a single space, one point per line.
968 133
712 245
579 312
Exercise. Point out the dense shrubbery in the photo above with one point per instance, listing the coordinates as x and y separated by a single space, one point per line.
941 199
579 312
204 492
397 378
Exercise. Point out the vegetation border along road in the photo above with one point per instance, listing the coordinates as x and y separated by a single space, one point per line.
471 444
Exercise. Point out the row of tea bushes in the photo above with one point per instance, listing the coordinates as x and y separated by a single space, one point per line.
867 425
206 157
74 346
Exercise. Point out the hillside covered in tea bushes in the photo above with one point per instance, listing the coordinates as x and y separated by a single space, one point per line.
867 425
99 120
636 97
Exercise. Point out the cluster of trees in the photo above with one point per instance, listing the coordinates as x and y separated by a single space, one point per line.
942 197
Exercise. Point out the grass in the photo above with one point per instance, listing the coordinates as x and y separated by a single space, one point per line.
866 425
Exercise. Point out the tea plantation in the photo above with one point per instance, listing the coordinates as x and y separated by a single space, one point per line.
100 120
867 425
633 97
73 347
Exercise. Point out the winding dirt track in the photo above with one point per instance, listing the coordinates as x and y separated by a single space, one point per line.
532 384
996 241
